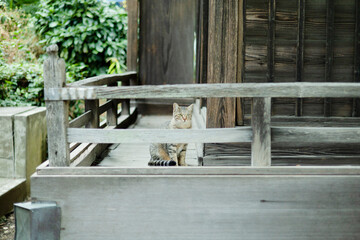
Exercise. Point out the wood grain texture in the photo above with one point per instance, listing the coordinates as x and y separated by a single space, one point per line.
82 120
228 207
167 41
57 112
329 61
132 35
314 134
195 170
222 59
300 52
356 102
271 41
284 90
241 60
93 107
261 141
108 79
241 134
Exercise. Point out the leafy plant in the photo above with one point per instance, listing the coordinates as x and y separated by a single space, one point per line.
115 66
86 31
21 84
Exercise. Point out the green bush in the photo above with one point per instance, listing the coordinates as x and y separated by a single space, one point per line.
86 31
21 84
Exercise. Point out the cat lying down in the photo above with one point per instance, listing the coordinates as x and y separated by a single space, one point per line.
170 154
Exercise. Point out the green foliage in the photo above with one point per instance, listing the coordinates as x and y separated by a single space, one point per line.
21 85
115 66
86 31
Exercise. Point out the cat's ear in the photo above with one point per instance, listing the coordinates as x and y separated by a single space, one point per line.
190 108
175 107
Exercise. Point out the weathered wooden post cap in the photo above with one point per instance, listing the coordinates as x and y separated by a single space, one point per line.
37 220
52 49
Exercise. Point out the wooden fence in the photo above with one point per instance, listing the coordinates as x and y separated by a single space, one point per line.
260 134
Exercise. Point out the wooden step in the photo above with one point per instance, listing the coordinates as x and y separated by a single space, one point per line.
11 191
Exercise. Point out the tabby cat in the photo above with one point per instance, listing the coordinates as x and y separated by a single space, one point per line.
170 154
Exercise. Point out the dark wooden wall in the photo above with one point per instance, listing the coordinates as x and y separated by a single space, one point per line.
282 41
167 30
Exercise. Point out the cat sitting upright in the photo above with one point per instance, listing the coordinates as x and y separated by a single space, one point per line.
171 154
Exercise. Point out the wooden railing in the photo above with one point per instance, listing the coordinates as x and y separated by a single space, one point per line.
260 134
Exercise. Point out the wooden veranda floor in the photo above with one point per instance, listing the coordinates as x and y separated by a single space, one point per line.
137 155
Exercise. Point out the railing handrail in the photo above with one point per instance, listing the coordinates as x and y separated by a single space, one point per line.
286 90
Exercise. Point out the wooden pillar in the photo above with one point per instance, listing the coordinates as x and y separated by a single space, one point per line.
260 122
222 59
271 41
356 102
132 35
241 60
300 52
57 112
329 61
93 105
111 114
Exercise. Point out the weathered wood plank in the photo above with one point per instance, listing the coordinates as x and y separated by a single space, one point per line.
271 41
316 134
166 52
93 107
236 170
300 52
228 207
241 60
222 60
105 79
356 102
261 141
132 35
82 120
57 112
294 90
329 61
240 134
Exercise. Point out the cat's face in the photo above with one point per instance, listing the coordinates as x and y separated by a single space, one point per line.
182 116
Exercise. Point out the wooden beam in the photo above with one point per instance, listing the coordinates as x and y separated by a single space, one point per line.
356 102
228 207
329 61
222 59
271 40
81 121
286 90
316 134
260 122
57 112
93 106
240 134
132 35
234 170
241 60
108 79
300 52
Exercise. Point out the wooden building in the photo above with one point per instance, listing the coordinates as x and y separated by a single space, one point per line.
279 90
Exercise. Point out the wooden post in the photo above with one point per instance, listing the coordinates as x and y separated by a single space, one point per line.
260 122
241 60
356 102
271 40
329 51
132 52
300 53
125 104
57 112
93 105
111 114
222 59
